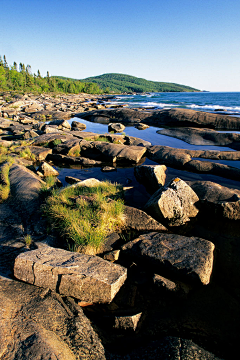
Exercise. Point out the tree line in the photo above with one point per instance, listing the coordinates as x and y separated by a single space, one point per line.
19 77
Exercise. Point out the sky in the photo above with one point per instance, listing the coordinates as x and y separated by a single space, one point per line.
189 42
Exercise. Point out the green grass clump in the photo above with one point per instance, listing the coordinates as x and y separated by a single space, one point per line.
4 180
27 154
84 216
57 142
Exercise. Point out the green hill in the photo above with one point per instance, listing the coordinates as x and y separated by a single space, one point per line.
121 83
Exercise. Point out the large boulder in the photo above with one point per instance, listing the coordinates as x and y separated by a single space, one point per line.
78 125
61 124
168 156
36 324
25 187
138 220
112 153
48 139
88 278
174 205
116 127
151 176
47 170
217 200
197 136
159 118
187 258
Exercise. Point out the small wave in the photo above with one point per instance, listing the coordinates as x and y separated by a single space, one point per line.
214 107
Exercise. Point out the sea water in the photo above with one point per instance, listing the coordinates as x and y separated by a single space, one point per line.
218 102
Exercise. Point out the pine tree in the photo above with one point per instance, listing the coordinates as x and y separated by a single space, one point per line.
5 64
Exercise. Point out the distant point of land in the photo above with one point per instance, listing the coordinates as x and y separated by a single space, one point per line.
122 83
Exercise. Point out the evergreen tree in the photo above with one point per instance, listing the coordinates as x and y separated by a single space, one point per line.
5 64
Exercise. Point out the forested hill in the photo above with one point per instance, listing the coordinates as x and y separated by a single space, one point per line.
120 83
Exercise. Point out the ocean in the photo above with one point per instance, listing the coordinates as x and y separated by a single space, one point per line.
217 102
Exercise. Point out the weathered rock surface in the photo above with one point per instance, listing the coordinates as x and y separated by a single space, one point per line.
186 258
78 125
168 348
141 126
50 138
151 176
47 170
197 136
138 220
173 117
127 322
104 151
173 204
72 180
182 159
88 278
61 124
72 160
25 187
69 147
168 156
116 127
37 324
217 200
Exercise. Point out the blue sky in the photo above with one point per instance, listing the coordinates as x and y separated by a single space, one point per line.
190 42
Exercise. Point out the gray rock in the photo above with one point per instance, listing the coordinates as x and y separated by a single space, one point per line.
197 136
141 126
69 147
72 160
25 187
217 200
187 258
72 180
38 324
40 153
104 151
174 204
138 220
159 118
167 348
151 176
85 277
47 170
171 287
61 124
46 139
78 125
116 127
168 156
127 322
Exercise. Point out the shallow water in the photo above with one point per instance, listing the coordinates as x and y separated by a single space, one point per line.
138 195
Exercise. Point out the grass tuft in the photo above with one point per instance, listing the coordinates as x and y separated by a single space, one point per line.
84 216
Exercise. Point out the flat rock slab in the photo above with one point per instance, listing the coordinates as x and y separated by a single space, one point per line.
49 138
37 324
138 220
85 277
104 151
197 136
188 258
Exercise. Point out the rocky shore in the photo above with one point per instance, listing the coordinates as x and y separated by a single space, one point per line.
165 285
